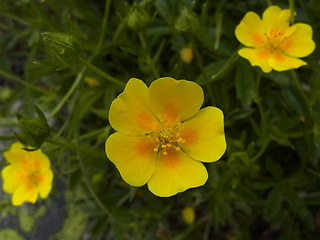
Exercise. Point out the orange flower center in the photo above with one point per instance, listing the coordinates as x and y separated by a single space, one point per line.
167 137
34 178
275 40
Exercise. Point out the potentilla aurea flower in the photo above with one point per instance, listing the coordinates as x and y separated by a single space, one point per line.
27 175
271 43
162 135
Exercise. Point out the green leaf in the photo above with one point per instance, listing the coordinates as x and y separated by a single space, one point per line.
298 206
273 202
244 83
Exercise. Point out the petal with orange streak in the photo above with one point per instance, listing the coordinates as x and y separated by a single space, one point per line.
44 182
275 20
25 193
130 113
173 101
203 135
250 31
299 43
134 157
281 62
13 177
18 156
176 172
257 57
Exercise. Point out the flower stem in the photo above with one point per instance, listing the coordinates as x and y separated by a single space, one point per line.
103 27
28 85
233 58
6 138
292 11
102 73
149 59
69 93
76 147
204 75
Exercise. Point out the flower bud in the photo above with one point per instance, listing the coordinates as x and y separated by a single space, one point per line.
186 55
188 215
33 131
187 21
61 47
138 18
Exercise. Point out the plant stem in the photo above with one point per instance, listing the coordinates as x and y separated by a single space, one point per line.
103 28
69 93
76 147
149 59
204 75
292 11
28 85
6 138
102 73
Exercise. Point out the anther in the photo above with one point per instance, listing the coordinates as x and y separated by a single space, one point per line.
178 149
164 153
163 145
156 149
168 144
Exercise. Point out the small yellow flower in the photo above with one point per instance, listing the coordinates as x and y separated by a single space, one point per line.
163 136
27 175
188 214
186 55
271 43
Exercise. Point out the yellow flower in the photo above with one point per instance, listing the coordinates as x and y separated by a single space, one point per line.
271 43
188 214
163 136
186 55
27 175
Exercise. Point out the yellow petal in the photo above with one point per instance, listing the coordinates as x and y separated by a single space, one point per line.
203 135
25 193
134 157
281 62
33 160
130 113
250 31
17 156
173 100
257 57
275 19
299 43
176 172
13 177
44 182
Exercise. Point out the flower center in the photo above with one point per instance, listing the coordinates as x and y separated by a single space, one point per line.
167 137
33 178
275 40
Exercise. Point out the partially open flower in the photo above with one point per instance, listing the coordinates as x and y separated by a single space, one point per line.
27 175
271 43
163 136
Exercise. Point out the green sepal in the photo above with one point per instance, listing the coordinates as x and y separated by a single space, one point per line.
62 48
33 131
138 18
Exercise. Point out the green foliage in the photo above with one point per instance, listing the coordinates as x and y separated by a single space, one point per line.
11 234
266 184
